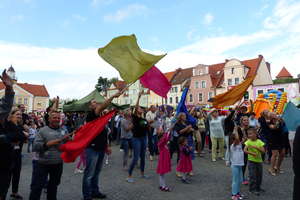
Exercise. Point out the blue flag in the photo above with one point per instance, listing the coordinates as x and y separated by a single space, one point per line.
182 108
291 116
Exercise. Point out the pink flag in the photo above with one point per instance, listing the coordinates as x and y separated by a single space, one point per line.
156 81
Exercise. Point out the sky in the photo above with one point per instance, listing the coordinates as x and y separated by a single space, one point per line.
55 42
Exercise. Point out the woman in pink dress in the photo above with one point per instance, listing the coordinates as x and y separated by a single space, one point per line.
164 160
184 165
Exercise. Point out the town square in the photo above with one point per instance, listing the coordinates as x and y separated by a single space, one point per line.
153 100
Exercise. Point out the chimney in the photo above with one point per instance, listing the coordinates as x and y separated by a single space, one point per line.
226 60
260 56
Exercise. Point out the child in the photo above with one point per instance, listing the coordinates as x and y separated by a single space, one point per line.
237 163
185 159
32 133
254 148
164 160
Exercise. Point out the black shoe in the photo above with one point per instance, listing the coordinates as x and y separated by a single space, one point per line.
255 193
261 190
99 196
185 181
16 197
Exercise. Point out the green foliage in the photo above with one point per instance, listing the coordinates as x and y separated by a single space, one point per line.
286 80
103 83
70 101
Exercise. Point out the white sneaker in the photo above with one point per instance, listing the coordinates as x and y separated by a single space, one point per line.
151 158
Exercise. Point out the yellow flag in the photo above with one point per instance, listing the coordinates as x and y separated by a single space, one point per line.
233 95
124 54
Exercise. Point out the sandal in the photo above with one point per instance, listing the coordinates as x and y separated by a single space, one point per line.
271 171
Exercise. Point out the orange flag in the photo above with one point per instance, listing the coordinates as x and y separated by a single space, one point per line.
233 95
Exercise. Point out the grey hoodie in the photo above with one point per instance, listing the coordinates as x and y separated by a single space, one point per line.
48 155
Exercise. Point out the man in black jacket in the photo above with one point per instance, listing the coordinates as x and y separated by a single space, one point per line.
296 165
6 140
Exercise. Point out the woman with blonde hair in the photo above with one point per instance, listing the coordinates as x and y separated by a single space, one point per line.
13 126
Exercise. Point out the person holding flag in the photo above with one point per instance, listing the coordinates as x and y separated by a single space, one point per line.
95 152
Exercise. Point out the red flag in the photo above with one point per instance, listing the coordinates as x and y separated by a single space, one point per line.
156 81
72 149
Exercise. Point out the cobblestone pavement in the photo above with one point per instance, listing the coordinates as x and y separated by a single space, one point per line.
212 181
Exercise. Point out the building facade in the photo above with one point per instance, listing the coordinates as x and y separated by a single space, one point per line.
210 80
34 97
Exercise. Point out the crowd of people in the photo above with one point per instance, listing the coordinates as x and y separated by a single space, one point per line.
235 137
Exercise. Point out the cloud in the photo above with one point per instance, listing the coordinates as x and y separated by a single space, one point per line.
208 19
79 18
96 3
71 69
125 13
16 18
286 16
262 10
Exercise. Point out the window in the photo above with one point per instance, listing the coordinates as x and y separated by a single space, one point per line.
260 91
171 100
232 70
236 81
126 101
25 101
196 84
166 100
269 90
229 82
191 98
176 89
176 99
203 84
200 97
210 95
281 89
19 100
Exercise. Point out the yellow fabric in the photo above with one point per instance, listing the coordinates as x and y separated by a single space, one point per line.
232 96
124 54
214 144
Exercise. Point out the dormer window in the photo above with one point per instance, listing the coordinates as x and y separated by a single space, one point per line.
232 70
218 72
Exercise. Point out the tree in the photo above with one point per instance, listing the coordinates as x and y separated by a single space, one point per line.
103 83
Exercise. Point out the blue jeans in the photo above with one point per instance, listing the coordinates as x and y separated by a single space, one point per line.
191 144
237 179
125 143
139 150
30 144
94 160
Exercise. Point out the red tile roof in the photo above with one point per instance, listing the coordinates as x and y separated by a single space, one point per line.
169 75
182 75
35 90
284 73
253 65
216 74
120 85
